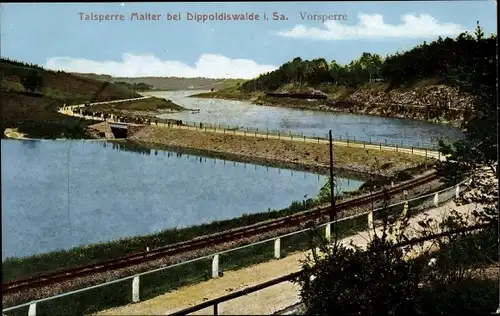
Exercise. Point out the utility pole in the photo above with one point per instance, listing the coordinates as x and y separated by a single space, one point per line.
332 213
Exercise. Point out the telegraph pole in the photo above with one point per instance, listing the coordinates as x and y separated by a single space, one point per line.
332 213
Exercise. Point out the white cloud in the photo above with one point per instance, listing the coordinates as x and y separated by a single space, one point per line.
147 65
373 26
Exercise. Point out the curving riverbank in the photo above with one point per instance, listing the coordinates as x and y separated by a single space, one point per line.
309 155
436 103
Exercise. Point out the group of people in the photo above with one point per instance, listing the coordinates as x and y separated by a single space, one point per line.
143 120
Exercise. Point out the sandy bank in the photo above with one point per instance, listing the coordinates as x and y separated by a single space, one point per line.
13 133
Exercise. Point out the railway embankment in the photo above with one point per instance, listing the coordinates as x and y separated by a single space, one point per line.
170 279
281 152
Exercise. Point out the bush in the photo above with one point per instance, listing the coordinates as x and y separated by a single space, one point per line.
352 281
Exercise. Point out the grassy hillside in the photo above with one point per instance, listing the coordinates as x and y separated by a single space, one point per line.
169 83
146 105
35 112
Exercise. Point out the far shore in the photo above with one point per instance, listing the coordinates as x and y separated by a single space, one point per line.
320 105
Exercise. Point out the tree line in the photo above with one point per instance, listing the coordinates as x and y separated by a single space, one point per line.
380 279
135 86
20 63
442 59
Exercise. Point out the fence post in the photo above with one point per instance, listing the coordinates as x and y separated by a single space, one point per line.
436 199
426 152
370 221
457 191
412 150
304 139
278 134
380 146
396 147
328 231
32 310
364 144
215 266
135 289
277 248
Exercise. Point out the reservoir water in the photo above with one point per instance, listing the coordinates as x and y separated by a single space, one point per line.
312 123
61 194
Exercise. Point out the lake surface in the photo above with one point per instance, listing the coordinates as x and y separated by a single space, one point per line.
61 194
312 123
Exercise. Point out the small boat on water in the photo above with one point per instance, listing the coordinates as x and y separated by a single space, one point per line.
195 111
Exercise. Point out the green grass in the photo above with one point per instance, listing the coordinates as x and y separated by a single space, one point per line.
149 104
229 93
154 284
244 257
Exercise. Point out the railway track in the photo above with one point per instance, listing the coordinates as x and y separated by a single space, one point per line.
205 241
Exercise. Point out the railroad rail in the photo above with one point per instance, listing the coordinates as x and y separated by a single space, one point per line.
208 240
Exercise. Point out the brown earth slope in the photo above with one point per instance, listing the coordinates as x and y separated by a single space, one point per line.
36 113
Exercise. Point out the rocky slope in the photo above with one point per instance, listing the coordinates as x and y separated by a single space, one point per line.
435 103
440 103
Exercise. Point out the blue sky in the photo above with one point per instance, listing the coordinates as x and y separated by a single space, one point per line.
53 34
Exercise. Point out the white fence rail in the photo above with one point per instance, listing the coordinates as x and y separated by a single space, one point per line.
414 205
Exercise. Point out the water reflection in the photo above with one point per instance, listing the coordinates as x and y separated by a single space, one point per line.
112 190
385 130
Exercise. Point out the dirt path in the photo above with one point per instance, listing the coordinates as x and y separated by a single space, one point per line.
277 152
418 152
262 302
426 153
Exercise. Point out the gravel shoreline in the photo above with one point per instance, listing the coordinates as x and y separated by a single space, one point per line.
280 152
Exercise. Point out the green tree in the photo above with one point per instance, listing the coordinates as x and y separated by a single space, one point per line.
347 281
477 74
335 71
33 82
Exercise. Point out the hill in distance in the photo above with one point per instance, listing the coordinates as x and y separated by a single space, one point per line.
34 111
167 83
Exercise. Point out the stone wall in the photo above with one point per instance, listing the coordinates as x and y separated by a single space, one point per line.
100 130
132 130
